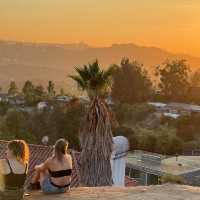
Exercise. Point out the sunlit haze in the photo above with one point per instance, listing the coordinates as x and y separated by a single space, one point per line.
170 24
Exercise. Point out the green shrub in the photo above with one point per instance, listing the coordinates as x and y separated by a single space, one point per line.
33 126
161 140
188 127
134 73
126 113
4 106
172 179
13 125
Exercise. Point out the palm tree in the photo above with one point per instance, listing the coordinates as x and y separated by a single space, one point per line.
96 134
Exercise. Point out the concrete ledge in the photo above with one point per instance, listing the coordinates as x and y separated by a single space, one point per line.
162 192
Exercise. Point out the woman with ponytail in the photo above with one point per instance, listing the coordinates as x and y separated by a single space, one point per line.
54 175
13 170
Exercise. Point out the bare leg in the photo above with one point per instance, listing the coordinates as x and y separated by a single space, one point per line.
36 177
39 176
43 176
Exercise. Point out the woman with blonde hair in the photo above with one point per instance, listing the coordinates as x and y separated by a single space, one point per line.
13 170
54 175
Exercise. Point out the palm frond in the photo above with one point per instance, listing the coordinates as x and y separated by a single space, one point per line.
107 75
94 68
91 78
83 73
80 82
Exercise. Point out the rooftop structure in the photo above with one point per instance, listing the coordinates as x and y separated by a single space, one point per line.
4 97
42 105
175 106
158 165
157 104
64 98
164 192
184 107
174 109
172 115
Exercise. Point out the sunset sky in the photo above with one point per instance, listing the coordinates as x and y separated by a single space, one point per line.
170 24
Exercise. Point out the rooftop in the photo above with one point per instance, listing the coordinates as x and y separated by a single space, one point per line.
183 165
170 165
176 106
184 106
164 192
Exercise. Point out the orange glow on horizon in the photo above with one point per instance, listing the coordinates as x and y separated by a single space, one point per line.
173 25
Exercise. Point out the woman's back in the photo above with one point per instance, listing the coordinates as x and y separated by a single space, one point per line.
13 170
14 173
16 166
56 164
59 169
54 175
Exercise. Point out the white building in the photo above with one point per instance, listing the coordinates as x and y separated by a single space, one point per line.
64 98
42 105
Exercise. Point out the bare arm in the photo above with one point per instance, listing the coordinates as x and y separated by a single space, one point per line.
70 161
43 166
2 166
2 171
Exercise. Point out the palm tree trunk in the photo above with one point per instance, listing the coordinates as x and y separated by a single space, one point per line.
96 143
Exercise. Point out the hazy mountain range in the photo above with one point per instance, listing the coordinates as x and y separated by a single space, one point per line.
41 62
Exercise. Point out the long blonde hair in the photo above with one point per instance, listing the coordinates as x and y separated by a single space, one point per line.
60 148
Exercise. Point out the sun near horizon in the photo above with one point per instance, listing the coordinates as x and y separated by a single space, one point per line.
173 25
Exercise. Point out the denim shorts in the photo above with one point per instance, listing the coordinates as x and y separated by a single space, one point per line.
47 187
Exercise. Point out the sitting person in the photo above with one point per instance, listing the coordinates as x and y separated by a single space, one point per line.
13 170
54 175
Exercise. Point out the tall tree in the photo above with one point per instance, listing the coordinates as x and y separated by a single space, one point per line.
174 79
195 79
28 92
51 89
194 91
28 86
13 90
130 83
62 92
96 135
39 93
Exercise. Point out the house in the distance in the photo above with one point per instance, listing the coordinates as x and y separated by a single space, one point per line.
147 168
183 108
17 100
63 98
4 97
84 99
42 105
174 109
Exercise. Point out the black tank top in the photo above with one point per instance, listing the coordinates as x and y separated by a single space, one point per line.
13 180
61 173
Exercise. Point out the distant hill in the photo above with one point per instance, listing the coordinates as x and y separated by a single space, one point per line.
41 62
